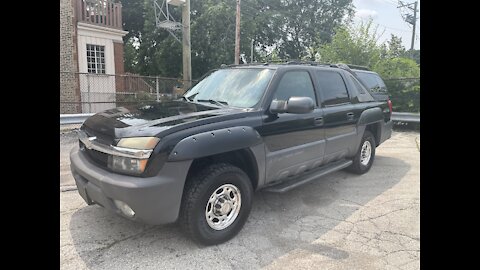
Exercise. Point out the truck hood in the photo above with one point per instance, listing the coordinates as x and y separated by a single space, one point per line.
155 119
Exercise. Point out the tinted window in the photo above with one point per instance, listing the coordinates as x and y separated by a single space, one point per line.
372 80
368 79
333 87
359 87
295 84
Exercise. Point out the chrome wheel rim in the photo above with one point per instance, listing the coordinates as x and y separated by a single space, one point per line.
223 207
365 153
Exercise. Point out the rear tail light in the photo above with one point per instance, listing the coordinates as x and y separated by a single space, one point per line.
390 106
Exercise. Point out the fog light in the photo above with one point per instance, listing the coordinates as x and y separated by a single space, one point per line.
126 210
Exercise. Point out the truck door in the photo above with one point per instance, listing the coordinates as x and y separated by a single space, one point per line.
339 115
295 143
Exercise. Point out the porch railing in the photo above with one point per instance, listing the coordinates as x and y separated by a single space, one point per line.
105 13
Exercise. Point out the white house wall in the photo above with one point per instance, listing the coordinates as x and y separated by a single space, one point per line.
97 87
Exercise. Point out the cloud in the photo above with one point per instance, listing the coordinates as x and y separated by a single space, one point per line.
366 13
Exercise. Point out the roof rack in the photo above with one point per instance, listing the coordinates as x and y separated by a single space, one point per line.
358 67
312 63
300 62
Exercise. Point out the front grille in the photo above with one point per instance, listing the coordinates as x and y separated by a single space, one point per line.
98 157
95 156
101 137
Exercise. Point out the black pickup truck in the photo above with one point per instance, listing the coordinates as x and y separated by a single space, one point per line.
197 160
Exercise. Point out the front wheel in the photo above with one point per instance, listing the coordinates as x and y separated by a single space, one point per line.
216 203
365 155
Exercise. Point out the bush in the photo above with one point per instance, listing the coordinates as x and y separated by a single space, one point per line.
402 77
405 94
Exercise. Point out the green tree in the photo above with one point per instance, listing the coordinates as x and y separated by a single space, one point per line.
415 55
401 75
130 56
294 29
133 18
353 45
308 24
359 45
398 67
212 35
395 47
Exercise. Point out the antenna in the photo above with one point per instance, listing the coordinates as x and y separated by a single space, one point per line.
165 20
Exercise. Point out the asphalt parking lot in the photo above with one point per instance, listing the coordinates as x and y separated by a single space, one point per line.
341 221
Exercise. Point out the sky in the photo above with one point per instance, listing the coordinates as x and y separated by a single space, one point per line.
389 20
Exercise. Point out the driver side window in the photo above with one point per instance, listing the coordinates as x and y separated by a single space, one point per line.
295 84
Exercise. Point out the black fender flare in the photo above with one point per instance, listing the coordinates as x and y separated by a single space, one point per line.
369 116
215 142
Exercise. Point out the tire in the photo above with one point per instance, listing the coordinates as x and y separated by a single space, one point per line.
201 198
360 166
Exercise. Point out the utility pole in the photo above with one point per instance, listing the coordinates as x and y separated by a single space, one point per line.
409 18
414 24
251 53
237 35
187 52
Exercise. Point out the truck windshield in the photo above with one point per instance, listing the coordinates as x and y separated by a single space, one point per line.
233 87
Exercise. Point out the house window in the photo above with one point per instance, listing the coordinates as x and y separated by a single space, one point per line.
96 59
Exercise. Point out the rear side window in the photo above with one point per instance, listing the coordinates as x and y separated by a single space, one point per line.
358 85
363 94
371 80
295 84
380 81
333 88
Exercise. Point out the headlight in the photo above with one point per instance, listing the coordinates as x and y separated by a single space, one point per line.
127 165
139 142
131 165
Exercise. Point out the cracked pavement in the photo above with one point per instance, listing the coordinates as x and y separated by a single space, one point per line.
340 221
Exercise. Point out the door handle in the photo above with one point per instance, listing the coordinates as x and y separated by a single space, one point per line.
350 115
318 121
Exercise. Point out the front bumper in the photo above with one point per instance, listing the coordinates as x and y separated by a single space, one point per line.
155 200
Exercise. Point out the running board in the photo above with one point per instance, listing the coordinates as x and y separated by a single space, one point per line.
296 182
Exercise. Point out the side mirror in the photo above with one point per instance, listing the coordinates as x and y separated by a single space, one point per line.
299 105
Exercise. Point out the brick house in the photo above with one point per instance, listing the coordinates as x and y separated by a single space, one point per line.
91 48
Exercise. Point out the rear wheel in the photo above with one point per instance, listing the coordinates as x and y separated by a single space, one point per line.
365 155
216 203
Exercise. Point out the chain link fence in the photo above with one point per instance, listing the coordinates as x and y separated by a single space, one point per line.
91 93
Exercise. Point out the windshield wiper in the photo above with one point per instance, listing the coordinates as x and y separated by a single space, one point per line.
191 97
217 102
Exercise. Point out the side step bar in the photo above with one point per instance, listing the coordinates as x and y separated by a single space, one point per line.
296 182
